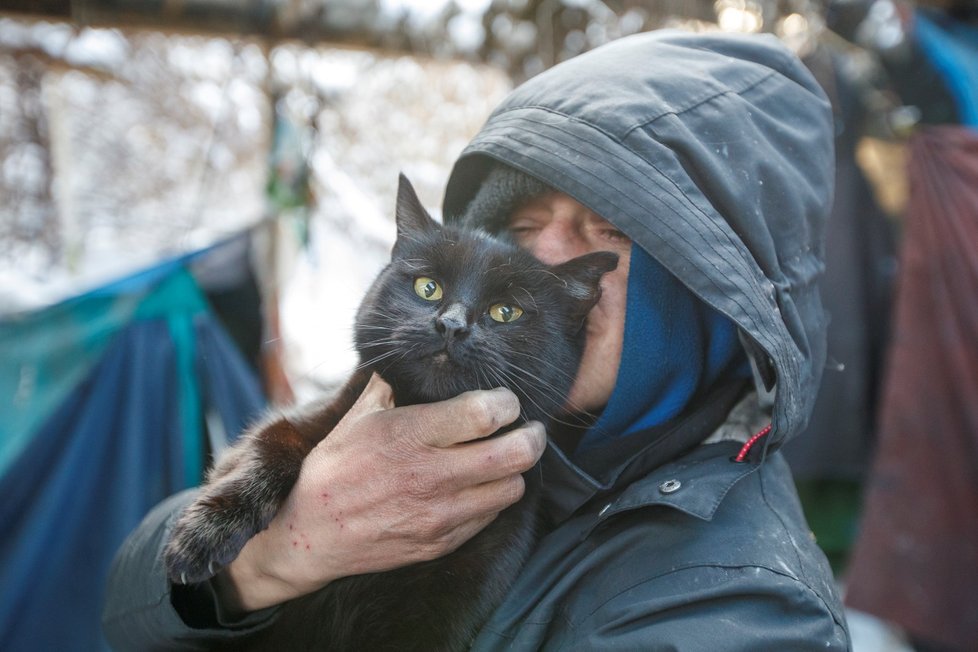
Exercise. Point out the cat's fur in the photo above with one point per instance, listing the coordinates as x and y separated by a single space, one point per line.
440 604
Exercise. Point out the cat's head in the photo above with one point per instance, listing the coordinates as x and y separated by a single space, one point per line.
457 309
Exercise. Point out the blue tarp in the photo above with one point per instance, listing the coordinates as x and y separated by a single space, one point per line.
952 47
104 400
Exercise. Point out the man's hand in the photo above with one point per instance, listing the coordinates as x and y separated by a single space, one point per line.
388 487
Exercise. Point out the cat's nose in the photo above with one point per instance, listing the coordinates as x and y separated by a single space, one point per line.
452 322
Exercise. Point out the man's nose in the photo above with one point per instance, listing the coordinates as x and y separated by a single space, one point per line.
558 242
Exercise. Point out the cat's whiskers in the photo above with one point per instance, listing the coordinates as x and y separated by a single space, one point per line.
548 272
374 327
580 415
374 360
516 385
507 379
482 376
374 312
405 352
515 353
529 295
383 342
414 264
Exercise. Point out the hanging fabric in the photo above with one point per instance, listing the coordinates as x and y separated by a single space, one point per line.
916 559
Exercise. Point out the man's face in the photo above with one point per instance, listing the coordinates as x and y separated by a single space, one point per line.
556 228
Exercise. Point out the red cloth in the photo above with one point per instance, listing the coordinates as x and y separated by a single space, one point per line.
916 558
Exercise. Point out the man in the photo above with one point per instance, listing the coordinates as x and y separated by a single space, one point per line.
705 162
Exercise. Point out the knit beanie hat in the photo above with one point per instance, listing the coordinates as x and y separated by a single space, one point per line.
504 190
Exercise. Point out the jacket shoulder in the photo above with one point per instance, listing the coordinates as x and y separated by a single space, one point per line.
711 607
656 571
749 577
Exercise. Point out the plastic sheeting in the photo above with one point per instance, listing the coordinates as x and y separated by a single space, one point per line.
105 403
916 559
952 48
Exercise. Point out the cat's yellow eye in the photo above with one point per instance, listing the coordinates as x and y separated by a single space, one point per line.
427 288
505 313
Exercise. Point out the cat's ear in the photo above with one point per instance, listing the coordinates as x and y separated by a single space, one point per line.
582 278
412 218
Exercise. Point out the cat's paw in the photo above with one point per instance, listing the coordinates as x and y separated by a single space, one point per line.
242 497
208 536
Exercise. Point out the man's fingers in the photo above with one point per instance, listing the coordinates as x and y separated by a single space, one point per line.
452 540
468 416
493 459
476 507
492 497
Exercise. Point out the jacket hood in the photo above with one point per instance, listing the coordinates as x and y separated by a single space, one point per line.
711 152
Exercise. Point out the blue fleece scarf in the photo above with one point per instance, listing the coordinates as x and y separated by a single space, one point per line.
675 346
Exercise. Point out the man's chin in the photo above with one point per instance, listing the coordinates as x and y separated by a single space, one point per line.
579 401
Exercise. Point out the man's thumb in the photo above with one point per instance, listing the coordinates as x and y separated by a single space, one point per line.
375 397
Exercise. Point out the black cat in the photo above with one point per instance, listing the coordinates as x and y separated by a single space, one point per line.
455 310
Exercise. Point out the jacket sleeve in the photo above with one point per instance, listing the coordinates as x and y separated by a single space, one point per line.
708 608
143 611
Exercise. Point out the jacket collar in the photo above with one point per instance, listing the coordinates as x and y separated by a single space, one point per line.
633 468
695 484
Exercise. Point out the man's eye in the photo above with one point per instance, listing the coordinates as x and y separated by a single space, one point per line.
523 235
615 235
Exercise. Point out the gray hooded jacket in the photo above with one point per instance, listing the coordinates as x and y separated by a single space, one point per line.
714 154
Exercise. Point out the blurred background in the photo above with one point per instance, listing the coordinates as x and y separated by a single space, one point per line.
194 195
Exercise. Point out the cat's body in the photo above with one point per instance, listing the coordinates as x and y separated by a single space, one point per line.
454 311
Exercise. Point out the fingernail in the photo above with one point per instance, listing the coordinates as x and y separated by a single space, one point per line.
539 434
508 392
